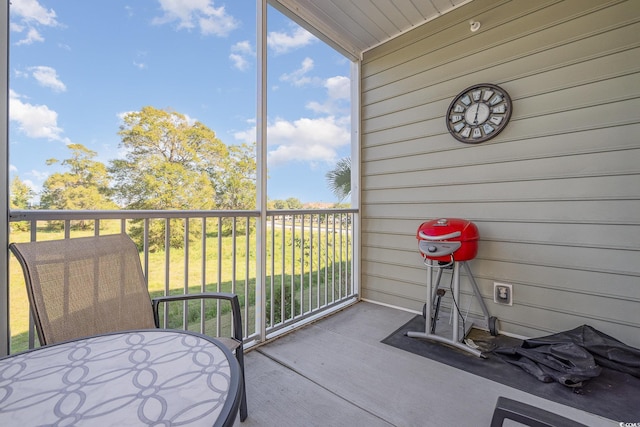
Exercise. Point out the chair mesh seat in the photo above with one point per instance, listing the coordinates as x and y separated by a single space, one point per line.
86 286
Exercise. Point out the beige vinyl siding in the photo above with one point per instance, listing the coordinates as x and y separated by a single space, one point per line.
556 196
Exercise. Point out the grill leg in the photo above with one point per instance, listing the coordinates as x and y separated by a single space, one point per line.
427 334
440 293
491 321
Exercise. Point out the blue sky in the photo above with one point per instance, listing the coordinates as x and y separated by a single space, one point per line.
77 66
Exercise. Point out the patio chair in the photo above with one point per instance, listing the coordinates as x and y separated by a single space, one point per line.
91 285
525 414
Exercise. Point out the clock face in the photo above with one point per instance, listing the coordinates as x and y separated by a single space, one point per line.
478 113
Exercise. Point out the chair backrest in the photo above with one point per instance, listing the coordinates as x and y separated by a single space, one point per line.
84 286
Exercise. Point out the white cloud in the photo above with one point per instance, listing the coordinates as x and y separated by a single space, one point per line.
176 120
138 62
201 14
239 61
243 47
31 11
35 121
240 55
282 42
39 175
13 168
32 185
305 139
15 27
299 77
338 95
33 36
29 14
338 87
48 77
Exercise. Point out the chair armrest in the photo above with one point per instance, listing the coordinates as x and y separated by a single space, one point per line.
232 298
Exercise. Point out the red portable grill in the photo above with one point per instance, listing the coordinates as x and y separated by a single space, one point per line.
448 239
448 243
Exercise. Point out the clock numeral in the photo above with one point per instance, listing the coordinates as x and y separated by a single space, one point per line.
466 132
466 100
487 128
455 118
496 99
496 120
487 94
458 126
477 133
458 108
499 109
476 95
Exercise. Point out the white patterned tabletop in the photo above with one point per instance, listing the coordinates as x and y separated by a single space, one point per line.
149 377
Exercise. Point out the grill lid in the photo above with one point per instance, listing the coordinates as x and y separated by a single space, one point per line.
441 238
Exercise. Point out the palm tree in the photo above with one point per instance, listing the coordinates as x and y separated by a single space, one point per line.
339 179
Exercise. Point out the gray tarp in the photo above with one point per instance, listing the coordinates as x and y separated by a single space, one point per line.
573 356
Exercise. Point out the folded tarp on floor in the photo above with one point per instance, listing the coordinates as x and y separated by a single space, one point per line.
572 357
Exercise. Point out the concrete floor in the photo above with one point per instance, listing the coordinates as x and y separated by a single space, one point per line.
336 372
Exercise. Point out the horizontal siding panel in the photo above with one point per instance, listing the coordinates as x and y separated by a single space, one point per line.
391 299
597 140
622 262
600 92
572 42
412 272
595 283
580 258
532 126
421 171
437 47
580 304
591 212
605 188
402 226
613 236
442 84
600 68
389 256
388 241
549 322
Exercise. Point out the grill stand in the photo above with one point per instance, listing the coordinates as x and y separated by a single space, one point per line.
455 339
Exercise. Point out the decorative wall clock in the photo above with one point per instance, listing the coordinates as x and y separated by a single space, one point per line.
478 113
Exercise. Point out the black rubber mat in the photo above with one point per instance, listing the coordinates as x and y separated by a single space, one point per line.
612 394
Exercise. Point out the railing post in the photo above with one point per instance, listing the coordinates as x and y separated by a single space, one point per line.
261 166
5 336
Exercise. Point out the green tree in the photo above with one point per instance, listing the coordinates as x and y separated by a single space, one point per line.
171 163
20 198
21 194
339 178
278 204
236 183
85 186
294 203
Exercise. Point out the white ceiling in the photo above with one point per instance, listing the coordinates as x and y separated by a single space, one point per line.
355 26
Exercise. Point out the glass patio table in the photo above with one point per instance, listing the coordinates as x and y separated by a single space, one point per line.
147 377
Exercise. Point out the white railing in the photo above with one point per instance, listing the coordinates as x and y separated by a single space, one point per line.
309 262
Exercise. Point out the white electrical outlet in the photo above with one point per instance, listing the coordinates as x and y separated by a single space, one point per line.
503 293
